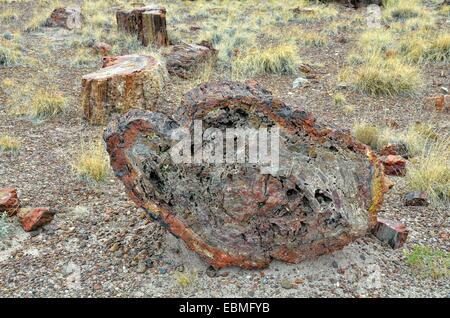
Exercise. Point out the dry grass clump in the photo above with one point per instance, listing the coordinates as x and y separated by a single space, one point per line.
417 137
401 10
11 53
8 15
314 39
316 13
46 104
382 76
84 57
439 48
376 41
36 22
428 261
366 133
430 172
92 162
9 144
185 279
38 104
444 11
339 98
9 56
280 59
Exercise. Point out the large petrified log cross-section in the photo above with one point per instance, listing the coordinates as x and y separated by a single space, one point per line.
325 194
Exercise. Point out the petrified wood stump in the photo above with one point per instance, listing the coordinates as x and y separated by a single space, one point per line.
185 60
124 82
325 194
69 18
148 23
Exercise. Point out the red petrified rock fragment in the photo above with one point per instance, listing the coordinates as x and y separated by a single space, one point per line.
69 18
392 232
416 198
441 102
394 165
33 218
9 202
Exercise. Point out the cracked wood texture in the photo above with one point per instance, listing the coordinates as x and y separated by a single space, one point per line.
325 195
124 82
148 23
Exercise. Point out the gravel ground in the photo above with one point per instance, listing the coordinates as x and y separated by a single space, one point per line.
100 245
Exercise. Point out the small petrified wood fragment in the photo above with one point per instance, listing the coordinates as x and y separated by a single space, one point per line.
391 232
148 23
69 18
9 201
186 60
34 218
325 194
124 82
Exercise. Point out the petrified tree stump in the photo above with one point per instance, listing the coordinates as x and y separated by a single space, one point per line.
185 60
325 193
69 18
124 82
148 23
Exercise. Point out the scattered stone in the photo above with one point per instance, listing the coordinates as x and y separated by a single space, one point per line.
394 165
147 23
163 270
392 123
9 201
141 268
69 18
416 198
211 272
286 284
299 81
306 68
102 48
195 28
124 82
392 232
441 102
180 268
149 263
305 10
114 248
317 210
186 60
373 16
335 264
33 218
